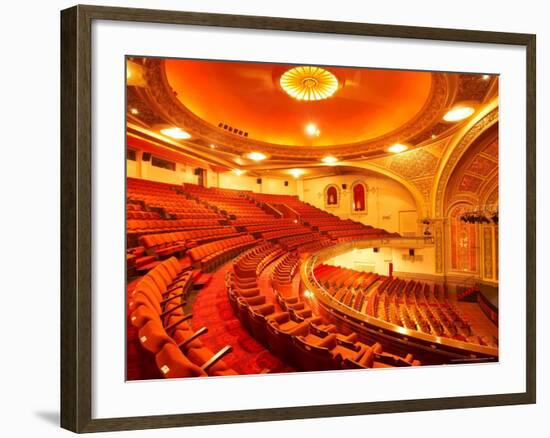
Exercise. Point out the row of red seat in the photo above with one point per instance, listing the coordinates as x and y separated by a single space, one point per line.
142 215
167 244
167 225
211 255
156 306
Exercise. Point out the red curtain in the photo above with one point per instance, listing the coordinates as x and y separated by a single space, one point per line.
332 196
359 197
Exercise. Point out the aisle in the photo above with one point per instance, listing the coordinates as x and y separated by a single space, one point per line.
213 310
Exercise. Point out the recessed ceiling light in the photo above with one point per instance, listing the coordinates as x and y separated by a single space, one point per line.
256 156
175 133
134 111
397 148
485 77
458 113
329 159
212 146
238 172
312 130
296 172
434 136
308 294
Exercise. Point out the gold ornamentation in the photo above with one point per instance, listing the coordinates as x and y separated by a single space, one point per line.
438 249
488 252
414 164
308 83
476 130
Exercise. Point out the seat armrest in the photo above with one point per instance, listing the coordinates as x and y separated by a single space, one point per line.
217 357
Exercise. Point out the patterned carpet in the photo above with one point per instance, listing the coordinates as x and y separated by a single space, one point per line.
212 310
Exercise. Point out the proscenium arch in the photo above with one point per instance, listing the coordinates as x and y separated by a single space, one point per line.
456 149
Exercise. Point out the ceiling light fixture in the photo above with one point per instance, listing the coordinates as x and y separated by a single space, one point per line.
485 77
175 132
134 111
212 146
312 130
397 148
309 83
256 156
458 113
329 159
238 172
296 172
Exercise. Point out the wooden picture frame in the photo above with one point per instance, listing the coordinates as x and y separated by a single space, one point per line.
76 226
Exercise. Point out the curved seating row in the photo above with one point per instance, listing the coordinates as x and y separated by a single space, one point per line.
156 306
211 255
167 244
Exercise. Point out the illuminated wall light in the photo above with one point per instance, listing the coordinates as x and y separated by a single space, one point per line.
485 77
458 113
329 159
296 172
175 132
238 172
256 156
312 130
397 148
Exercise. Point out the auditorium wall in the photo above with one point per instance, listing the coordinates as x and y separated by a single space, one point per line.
389 204
423 261
144 169
230 180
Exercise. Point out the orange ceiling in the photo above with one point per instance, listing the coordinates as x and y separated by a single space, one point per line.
247 96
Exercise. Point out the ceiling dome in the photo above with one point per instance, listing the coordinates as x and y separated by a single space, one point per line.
360 104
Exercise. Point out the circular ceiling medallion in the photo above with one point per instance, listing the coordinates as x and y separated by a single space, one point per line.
309 83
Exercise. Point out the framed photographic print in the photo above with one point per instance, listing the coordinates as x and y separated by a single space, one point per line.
267 218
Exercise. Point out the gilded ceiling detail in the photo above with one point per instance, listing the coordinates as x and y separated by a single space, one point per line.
493 197
482 166
414 164
487 121
424 186
492 149
470 183
471 87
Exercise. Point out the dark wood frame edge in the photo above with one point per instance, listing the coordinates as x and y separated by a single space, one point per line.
76 196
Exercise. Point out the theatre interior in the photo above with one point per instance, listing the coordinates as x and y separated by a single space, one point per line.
284 218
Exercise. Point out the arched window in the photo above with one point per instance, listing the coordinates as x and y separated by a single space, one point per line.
331 196
359 198
463 240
